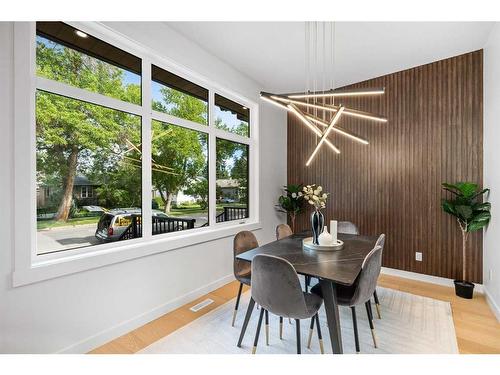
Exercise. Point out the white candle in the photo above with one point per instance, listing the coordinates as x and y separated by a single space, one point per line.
333 230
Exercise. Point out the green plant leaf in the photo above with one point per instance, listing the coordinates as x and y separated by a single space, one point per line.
479 221
464 211
486 206
451 188
467 189
480 193
448 207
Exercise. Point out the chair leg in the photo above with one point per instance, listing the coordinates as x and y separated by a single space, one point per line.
307 282
377 303
311 328
256 340
297 325
237 304
267 327
281 328
320 337
370 321
355 326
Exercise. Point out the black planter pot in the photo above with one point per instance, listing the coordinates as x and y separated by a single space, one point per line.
464 289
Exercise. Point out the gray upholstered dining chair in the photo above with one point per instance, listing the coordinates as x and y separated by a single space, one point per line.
243 241
362 289
283 231
350 228
347 227
276 288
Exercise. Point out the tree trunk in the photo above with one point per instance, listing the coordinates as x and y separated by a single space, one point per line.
464 248
168 203
65 205
166 198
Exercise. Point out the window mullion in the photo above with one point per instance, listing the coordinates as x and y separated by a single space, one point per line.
146 150
212 157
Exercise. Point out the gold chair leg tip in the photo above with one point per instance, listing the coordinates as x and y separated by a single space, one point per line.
374 337
321 348
378 311
254 349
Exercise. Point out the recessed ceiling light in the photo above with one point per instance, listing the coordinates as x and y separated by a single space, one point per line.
81 34
245 108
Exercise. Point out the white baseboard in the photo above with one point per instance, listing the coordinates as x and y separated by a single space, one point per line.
107 335
426 278
493 305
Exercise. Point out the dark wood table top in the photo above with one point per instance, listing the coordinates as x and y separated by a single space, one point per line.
342 266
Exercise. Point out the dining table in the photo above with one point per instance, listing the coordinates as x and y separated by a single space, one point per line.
330 267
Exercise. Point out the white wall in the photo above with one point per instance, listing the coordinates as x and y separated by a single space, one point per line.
78 312
491 252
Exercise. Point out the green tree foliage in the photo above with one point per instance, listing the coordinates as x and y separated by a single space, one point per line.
71 133
178 157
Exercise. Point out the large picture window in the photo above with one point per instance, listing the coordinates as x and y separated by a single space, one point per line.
127 150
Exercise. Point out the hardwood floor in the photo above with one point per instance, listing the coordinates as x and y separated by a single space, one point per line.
476 327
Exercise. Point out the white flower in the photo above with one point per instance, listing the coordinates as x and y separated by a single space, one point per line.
320 188
311 202
315 197
316 192
294 195
325 195
300 194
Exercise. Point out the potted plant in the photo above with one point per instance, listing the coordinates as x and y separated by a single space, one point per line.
472 214
291 202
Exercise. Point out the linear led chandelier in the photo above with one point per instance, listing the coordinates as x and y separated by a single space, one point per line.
306 105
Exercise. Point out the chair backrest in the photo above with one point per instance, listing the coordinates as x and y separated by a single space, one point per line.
370 271
276 287
243 241
282 231
347 227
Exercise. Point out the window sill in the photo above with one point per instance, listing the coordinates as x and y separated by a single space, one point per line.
45 269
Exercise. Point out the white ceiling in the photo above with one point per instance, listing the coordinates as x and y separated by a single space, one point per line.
273 53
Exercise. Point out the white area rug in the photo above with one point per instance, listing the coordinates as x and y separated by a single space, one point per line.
409 324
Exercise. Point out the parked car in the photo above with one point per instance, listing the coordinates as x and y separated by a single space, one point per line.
227 200
115 222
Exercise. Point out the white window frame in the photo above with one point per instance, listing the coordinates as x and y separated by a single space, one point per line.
30 267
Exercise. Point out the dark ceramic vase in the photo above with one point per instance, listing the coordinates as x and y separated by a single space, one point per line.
317 224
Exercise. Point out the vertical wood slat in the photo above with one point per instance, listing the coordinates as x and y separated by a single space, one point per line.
393 185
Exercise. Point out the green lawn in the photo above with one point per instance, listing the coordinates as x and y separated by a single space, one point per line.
45 224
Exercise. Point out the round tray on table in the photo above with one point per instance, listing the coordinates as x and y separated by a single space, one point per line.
308 244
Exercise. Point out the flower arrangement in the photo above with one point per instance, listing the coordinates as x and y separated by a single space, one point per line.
291 202
315 196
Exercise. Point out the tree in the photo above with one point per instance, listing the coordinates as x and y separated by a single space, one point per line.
69 130
199 189
179 155
467 207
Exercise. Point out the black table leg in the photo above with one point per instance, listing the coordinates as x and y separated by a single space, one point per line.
329 291
251 305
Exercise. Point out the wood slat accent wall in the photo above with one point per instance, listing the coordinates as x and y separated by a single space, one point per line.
393 185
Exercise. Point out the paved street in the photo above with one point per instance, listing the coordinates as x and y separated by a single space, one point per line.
65 238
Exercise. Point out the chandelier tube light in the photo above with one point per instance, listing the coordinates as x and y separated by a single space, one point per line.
339 93
338 129
311 126
335 118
